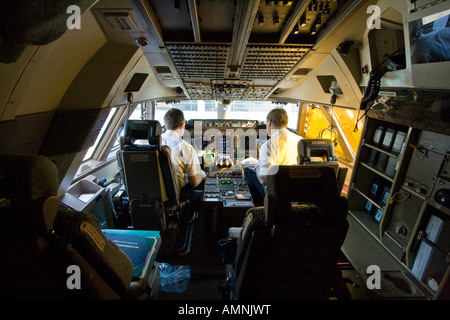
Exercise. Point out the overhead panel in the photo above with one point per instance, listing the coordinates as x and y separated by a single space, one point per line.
226 90
270 62
238 49
205 61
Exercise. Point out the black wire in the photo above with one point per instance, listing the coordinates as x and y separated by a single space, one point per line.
374 83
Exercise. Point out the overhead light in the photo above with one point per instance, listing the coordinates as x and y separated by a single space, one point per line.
260 19
296 30
142 41
313 30
276 18
302 21
318 20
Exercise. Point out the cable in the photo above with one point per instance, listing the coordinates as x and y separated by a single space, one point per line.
373 87
417 150
392 199
332 131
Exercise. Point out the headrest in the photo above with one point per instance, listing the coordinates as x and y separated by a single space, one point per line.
310 148
82 230
25 179
302 184
149 130
30 183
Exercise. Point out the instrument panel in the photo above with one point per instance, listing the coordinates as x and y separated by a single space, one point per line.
228 186
222 144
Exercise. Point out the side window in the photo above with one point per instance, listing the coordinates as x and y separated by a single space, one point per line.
100 136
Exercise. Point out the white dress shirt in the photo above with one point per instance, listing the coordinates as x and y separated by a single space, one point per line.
184 156
280 149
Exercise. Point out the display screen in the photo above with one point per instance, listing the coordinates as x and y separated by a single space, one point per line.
430 38
223 143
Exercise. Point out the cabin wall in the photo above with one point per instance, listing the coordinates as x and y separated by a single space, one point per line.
39 80
312 91
56 97
33 86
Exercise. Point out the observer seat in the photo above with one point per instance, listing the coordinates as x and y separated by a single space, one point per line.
151 184
39 241
288 249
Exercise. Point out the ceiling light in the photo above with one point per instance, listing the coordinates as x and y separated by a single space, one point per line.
302 21
276 18
260 19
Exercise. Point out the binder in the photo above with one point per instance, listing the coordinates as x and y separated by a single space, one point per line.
381 162
140 246
384 199
391 166
425 252
388 139
400 137
378 135
374 194
372 157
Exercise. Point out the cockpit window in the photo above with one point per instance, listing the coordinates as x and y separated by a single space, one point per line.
192 109
91 150
242 110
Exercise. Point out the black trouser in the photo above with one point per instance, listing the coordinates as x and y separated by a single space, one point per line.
195 198
255 186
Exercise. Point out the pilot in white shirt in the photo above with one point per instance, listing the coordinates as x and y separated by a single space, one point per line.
280 149
184 156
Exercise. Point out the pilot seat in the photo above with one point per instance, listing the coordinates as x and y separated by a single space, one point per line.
289 248
317 152
151 185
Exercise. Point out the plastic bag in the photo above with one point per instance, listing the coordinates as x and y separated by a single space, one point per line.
174 278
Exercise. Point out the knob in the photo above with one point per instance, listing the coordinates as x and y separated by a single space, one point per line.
421 190
401 230
407 184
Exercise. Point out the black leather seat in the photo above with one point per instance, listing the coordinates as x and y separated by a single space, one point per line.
43 245
151 185
288 249
321 152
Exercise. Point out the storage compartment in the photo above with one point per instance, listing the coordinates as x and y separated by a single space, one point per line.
401 225
87 196
399 188
432 259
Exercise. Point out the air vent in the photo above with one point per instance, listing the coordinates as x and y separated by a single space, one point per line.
162 69
302 71
136 82
121 21
270 62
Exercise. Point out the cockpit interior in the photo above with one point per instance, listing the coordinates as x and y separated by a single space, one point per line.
363 214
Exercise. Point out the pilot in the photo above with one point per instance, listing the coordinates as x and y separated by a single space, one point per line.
184 156
280 149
